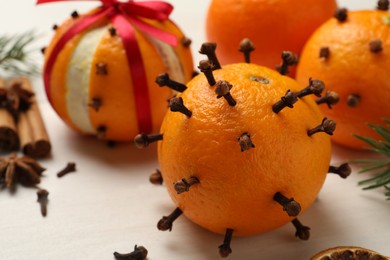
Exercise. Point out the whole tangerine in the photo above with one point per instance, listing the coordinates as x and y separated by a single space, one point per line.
243 150
351 54
91 82
273 26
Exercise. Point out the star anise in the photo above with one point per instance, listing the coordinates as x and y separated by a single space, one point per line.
15 98
23 170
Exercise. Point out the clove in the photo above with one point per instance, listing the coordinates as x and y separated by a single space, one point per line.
327 126
164 80
330 98
208 49
112 31
315 87
302 232
184 184
206 67
344 170
383 5
101 69
96 103
353 100
156 177
376 46
55 27
288 100
222 89
74 14
43 200
224 249
341 14
101 132
186 42
246 47
324 53
289 205
176 104
70 167
165 223
143 140
288 59
139 253
245 142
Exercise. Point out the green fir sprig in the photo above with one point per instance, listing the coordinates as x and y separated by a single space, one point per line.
380 165
15 54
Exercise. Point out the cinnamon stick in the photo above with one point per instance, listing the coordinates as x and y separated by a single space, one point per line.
34 139
9 139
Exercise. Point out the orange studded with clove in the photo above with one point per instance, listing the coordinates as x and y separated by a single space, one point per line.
92 85
245 154
273 26
351 54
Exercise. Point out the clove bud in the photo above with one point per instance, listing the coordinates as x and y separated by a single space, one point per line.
315 87
330 98
288 100
176 104
246 47
344 170
208 49
206 68
164 80
143 140
327 126
222 89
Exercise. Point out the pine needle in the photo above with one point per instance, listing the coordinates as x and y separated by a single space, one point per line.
15 54
382 177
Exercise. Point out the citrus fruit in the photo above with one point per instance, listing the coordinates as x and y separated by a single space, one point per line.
273 26
348 252
241 145
351 54
91 82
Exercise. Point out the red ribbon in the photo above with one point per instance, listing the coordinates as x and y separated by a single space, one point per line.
124 16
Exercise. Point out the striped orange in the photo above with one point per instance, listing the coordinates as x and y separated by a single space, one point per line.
76 84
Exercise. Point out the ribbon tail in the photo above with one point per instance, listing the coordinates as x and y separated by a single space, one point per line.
80 26
137 72
157 33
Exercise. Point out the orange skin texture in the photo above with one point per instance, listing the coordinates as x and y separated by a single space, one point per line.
117 112
272 25
236 188
352 69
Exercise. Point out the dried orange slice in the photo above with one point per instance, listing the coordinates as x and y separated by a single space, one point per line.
348 252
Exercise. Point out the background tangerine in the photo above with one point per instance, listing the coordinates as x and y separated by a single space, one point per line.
272 25
352 68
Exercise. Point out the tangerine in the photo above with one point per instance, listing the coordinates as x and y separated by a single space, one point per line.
273 26
351 54
234 156
91 85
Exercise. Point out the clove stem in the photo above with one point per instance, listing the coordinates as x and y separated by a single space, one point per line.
166 222
70 167
224 249
43 200
143 140
184 184
208 49
289 205
302 232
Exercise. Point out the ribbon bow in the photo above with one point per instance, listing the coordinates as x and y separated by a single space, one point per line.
124 16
